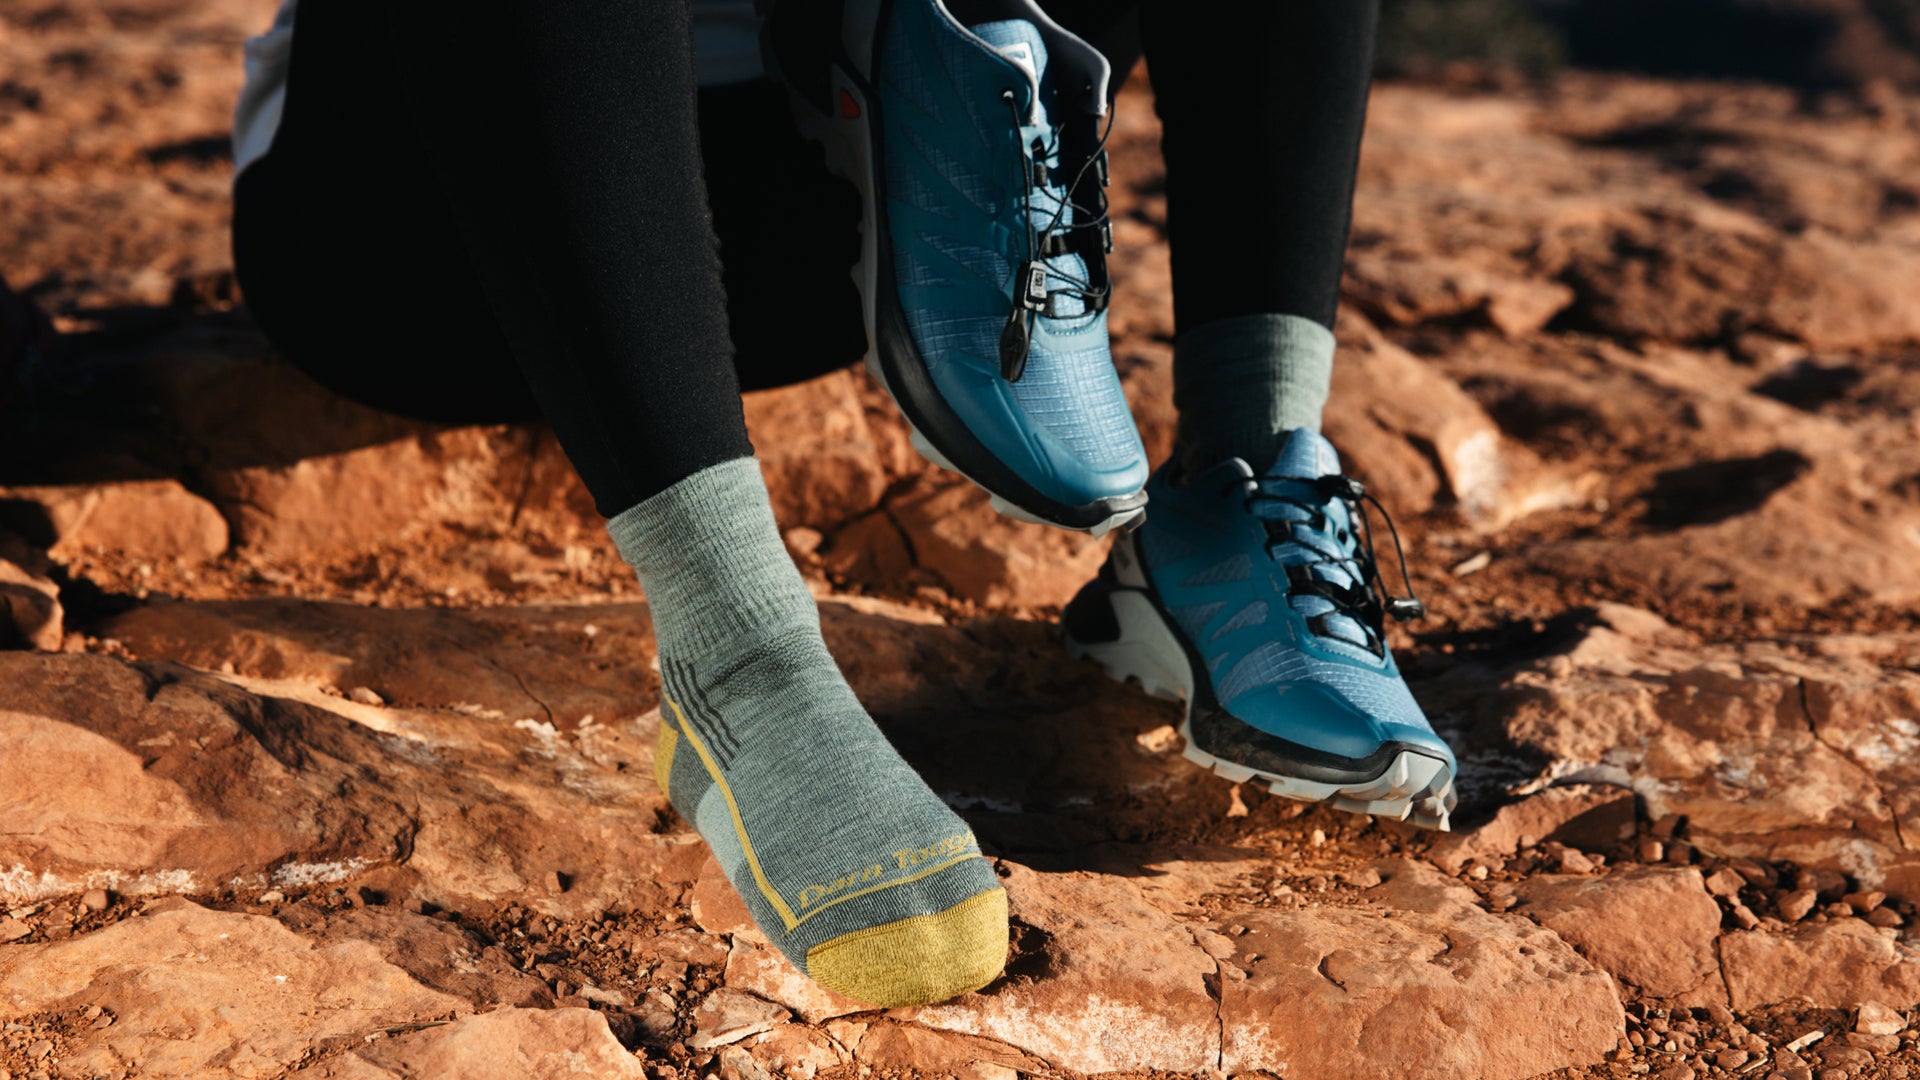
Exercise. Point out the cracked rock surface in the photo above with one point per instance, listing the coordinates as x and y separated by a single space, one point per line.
325 737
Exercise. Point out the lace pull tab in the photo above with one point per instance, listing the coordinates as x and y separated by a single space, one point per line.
1406 608
1015 339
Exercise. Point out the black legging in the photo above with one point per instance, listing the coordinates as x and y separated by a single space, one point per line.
488 218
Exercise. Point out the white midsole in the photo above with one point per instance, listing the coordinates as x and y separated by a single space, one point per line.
1414 787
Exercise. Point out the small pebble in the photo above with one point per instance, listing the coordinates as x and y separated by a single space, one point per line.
1478 873
40 1049
1725 883
1829 883
1873 1044
273 896
1651 850
1806 1040
1730 1059
1574 862
1236 806
1864 902
1744 916
1795 905
1318 837
96 900
1885 916
1877 1019
365 696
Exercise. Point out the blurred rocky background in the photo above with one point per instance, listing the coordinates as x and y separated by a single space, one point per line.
1806 43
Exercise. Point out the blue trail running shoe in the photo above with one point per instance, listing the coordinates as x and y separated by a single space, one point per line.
1257 600
975 142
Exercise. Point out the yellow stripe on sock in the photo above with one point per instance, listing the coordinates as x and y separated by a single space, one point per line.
876 888
739 827
663 757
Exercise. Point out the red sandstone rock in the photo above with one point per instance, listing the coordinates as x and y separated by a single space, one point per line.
796 1050
256 997
1653 928
520 663
1440 989
214 783
814 446
136 520
1842 964
30 610
1722 737
728 1015
982 556
760 969
505 1044
1101 983
1583 816
905 1046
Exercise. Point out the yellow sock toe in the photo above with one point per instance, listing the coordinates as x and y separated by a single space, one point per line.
921 960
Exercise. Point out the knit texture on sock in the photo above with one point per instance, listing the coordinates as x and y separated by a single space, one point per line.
1242 384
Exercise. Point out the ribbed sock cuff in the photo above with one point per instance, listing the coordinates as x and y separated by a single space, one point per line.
710 558
1242 383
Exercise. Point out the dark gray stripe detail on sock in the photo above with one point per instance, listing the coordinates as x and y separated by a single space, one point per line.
713 716
678 677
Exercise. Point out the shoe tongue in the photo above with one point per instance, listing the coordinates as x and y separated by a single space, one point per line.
1020 43
1306 455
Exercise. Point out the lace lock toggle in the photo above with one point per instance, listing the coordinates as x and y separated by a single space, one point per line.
1340 487
1405 608
1032 286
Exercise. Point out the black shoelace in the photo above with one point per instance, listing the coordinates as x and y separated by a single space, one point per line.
1369 602
1032 296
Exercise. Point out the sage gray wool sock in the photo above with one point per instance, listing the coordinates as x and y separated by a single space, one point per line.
1242 384
848 861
